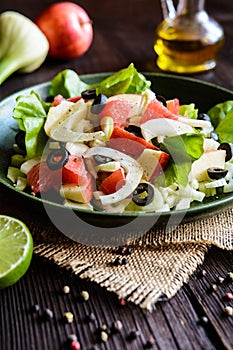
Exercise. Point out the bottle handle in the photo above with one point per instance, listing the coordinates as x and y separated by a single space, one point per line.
168 9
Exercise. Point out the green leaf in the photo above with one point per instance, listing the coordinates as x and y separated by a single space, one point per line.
125 81
189 111
68 84
183 149
225 128
218 112
30 112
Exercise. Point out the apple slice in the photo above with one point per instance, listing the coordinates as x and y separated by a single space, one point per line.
153 163
211 159
80 194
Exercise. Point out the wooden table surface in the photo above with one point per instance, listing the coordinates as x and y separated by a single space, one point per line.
123 33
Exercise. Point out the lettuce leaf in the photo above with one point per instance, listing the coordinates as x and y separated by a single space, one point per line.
68 84
218 112
221 116
125 81
184 149
30 112
189 111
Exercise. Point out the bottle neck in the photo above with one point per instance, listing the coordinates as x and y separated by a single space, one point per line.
190 8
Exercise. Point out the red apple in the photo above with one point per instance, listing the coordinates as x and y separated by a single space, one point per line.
68 29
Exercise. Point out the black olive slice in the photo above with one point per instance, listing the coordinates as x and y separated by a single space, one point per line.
99 159
155 142
227 147
143 194
161 99
20 139
204 116
98 104
57 158
134 129
89 94
216 173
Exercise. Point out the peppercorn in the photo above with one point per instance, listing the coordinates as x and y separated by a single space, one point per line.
204 320
48 314
72 337
122 302
229 310
103 336
117 326
230 276
69 316
124 261
90 318
35 308
105 328
75 345
117 261
149 343
133 335
214 287
66 289
84 295
220 280
229 295
202 273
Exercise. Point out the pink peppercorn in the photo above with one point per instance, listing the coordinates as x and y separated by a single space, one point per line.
75 345
229 295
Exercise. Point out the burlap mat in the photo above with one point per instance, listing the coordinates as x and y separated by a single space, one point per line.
161 262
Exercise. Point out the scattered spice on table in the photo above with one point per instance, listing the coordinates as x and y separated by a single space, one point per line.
84 295
75 345
229 310
69 317
230 276
35 308
72 337
220 280
48 314
204 320
117 326
213 287
103 336
149 343
229 295
66 289
133 334
90 318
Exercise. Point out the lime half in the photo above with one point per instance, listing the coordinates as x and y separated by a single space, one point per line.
16 248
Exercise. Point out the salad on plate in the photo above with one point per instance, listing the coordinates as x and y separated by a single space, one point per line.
117 146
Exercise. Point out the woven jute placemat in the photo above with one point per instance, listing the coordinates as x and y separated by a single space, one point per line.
160 262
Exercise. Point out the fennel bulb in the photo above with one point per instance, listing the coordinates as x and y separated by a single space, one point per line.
23 47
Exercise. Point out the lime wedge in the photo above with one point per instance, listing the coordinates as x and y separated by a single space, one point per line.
16 248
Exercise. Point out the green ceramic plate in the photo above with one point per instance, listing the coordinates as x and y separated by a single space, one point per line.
82 225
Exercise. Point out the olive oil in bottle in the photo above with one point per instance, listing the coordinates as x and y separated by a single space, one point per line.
188 41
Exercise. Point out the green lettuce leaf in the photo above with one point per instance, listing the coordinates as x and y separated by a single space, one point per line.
221 116
125 81
30 112
218 112
183 149
189 111
68 84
